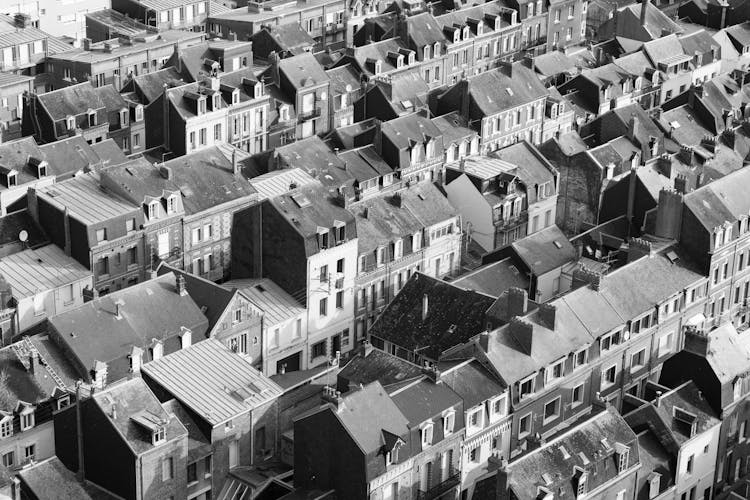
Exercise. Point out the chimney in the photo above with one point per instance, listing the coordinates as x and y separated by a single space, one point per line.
518 302
425 306
484 341
583 275
180 285
696 340
235 164
686 154
118 310
644 8
633 128
637 248
89 294
274 59
522 331
113 412
332 396
366 348
680 184
87 44
547 316
668 214
32 361
166 172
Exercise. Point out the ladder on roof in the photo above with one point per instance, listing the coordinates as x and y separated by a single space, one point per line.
31 348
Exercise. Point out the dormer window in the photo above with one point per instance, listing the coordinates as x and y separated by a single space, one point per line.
27 418
581 479
622 454
530 9
202 105
340 232
71 122
465 33
378 67
526 387
449 420
323 238
498 407
345 97
654 484
436 49
456 36
186 337
157 351
63 402
216 102
12 177
152 210
92 118
123 117
6 426
411 57
737 389
480 28
258 90
425 52
498 23
554 372
284 113
171 204
235 96
138 113
159 436
425 434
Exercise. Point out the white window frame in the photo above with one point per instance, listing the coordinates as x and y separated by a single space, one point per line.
426 434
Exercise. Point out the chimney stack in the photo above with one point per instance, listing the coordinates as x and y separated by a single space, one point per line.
332 396
118 310
32 361
523 332
425 306
547 316
668 214
644 7
180 285
518 302
235 164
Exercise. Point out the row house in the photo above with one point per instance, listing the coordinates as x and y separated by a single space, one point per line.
160 306
566 23
709 361
12 89
533 16
306 242
24 47
592 344
34 393
115 61
506 105
212 57
324 20
345 91
169 15
478 38
283 39
459 139
423 236
109 240
503 200
125 428
714 15
413 146
233 406
127 126
559 116
735 46
605 88
408 446
57 20
639 22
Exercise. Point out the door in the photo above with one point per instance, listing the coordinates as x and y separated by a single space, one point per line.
336 344
234 454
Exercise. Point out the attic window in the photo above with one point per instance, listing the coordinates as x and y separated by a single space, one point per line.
449 420
378 66
258 91
6 427
426 52
235 96
457 36
426 434
216 102
123 117
284 113
436 49
622 453
509 91
323 238
557 244
159 436
138 113
672 256
301 200
92 118
71 122
12 178
466 33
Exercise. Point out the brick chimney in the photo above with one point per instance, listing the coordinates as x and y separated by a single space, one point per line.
518 302
637 248
634 128
235 164
644 8
686 154
333 397
696 341
523 332
681 184
180 285
583 275
668 214
547 316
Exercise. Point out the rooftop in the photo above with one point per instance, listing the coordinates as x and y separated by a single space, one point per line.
41 270
277 305
504 88
370 365
493 279
51 480
545 250
226 386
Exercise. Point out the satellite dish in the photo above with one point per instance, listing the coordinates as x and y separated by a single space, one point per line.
23 236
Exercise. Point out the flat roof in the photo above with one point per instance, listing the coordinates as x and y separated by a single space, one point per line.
33 271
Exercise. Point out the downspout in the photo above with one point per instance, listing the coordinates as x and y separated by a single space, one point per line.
79 435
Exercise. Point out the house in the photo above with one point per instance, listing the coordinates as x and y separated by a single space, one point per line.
32 394
108 24
685 425
283 340
284 39
533 17
127 127
716 15
505 104
107 241
114 61
24 46
23 168
345 91
389 97
232 404
427 317
604 443
233 318
38 292
172 15
51 479
12 227
12 89
125 428
413 145
638 22
112 337
504 197
566 23
715 360
364 450
459 139
57 21
211 58
306 242
367 365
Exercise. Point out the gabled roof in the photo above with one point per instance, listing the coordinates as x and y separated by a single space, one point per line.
151 85
426 400
473 383
316 158
365 163
595 439
277 305
381 220
303 70
545 250
453 316
224 386
71 101
73 154
533 168
720 201
51 480
124 402
289 37
493 279
149 310
505 88
370 365
138 180
278 182
403 131
19 382
454 128
44 269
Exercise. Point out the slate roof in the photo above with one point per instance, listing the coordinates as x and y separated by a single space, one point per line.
723 200
12 224
473 383
151 85
489 90
493 279
689 398
316 158
729 355
545 250
533 167
454 315
287 37
15 155
343 79
381 221
44 269
403 130
71 101
278 182
427 203
73 154
425 400
454 128
78 195
149 310
51 480
199 446
364 163
303 70
554 63
370 365
18 382
132 398
277 305
226 386
657 23
525 474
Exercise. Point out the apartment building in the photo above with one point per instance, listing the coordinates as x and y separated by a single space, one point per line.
57 19
24 46
169 14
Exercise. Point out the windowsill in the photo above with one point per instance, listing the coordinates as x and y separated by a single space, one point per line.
549 420
192 483
636 368
575 404
523 435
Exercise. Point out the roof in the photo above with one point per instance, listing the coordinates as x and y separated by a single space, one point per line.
453 316
365 163
493 279
120 23
548 466
657 23
486 167
425 400
370 365
135 405
545 250
51 480
149 310
729 353
18 382
226 386
404 130
553 63
199 445
71 101
280 182
7 79
10 36
151 85
343 79
505 88
381 220
79 194
687 398
316 158
12 224
473 383
303 70
277 305
73 154
288 36
454 128
427 203
44 269
720 201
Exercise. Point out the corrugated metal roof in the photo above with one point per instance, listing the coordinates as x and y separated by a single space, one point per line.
278 182
277 305
487 168
213 381
33 271
85 200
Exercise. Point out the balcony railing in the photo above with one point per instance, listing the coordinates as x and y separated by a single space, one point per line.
515 220
440 489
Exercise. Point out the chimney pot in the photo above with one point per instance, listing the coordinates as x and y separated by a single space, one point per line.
180 285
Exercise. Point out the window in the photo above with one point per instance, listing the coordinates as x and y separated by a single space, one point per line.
9 459
217 132
27 420
448 423
637 360
524 425
298 328
526 387
426 435
554 372
340 299
238 344
319 349
167 469
324 273
6 427
689 465
324 306
552 410
609 377
475 418
192 472
579 358
101 235
498 406
130 225
474 454
29 453
237 316
340 266
207 466
665 344
577 395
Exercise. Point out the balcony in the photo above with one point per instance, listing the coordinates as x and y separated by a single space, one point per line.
509 222
310 115
440 489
